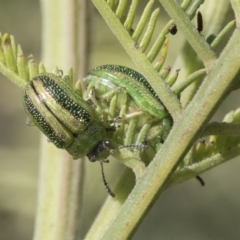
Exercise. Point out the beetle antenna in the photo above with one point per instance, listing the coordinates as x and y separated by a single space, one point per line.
105 182
136 145
200 180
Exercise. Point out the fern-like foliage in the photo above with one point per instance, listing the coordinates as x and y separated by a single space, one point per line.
138 35
211 151
136 39
152 52
13 63
20 69
149 56
220 143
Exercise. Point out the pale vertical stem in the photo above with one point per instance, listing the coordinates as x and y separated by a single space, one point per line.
60 183
86 8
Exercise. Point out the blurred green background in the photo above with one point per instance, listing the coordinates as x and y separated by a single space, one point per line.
187 211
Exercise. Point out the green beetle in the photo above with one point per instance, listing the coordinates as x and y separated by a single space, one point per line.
75 123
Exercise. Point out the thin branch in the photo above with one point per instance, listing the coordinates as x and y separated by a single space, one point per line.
14 77
203 166
236 9
198 43
169 99
229 27
180 86
180 139
222 128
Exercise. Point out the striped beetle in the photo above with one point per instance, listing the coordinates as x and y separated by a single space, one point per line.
81 124
113 80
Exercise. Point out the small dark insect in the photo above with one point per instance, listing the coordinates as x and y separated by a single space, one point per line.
200 180
199 22
172 29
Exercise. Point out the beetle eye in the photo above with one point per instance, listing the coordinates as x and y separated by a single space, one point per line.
99 152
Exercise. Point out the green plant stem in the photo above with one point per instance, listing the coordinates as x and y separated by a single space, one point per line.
14 77
236 9
194 38
152 183
143 21
203 166
222 128
131 14
169 99
188 60
112 206
60 184
229 27
180 86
